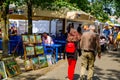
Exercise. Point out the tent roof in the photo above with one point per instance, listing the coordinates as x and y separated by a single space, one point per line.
61 14
16 16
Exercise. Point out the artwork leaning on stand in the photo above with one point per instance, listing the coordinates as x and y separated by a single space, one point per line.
43 61
28 64
35 62
32 39
3 74
25 39
29 50
11 66
39 50
38 39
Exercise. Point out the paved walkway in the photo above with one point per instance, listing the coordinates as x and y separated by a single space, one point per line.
106 68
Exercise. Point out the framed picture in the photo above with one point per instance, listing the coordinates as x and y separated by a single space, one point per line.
42 61
3 74
38 39
12 68
28 64
29 50
39 50
32 38
35 62
25 38
49 59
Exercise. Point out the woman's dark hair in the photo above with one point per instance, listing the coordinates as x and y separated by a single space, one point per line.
70 26
79 28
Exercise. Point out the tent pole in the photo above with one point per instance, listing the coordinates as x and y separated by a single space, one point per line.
64 25
50 27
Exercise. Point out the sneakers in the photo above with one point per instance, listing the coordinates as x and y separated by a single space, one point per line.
82 77
66 78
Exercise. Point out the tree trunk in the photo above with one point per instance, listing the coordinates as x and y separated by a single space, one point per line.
5 10
64 26
29 4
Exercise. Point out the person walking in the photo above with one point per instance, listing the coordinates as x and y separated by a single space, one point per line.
89 44
72 38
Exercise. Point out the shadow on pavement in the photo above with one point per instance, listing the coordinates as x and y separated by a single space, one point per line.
114 73
28 77
115 54
96 78
98 71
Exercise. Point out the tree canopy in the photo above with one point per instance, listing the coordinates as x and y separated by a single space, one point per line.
101 9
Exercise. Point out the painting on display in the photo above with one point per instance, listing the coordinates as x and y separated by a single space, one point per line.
35 62
3 74
38 39
39 50
29 50
49 59
12 68
25 38
28 64
42 61
32 38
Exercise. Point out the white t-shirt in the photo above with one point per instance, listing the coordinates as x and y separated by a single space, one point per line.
48 40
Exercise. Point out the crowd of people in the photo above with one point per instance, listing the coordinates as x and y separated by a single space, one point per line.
110 36
89 44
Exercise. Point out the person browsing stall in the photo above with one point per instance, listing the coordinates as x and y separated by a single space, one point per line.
47 39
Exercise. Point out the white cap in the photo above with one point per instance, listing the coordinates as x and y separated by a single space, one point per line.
106 24
92 27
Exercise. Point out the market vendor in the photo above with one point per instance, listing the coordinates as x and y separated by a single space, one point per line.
47 39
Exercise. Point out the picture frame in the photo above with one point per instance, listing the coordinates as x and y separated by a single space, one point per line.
39 50
49 59
32 38
38 38
29 50
35 62
25 38
12 68
28 64
3 74
42 61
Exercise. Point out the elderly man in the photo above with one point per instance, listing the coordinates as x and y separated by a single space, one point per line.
89 45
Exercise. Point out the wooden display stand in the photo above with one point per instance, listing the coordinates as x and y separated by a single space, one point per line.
32 50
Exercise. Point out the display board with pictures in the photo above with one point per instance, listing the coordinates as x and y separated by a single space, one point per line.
3 74
12 68
31 38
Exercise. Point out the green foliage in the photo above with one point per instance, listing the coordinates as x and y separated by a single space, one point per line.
61 4
82 4
117 7
96 9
